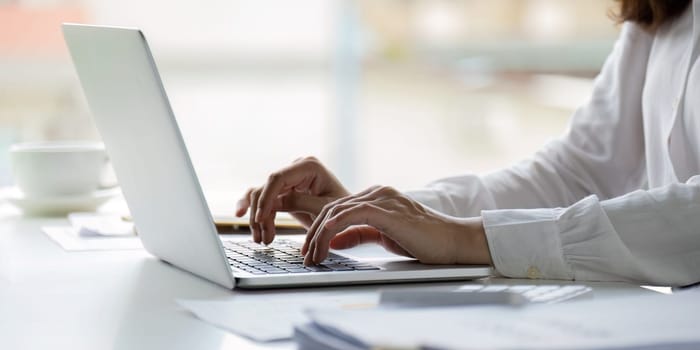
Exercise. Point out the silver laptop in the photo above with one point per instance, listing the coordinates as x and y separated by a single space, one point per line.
132 113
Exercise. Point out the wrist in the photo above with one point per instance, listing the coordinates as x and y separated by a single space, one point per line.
471 245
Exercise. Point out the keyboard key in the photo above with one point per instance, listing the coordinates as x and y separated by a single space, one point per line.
289 266
318 268
283 256
297 270
337 267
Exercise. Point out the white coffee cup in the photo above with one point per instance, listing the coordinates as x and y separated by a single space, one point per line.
58 168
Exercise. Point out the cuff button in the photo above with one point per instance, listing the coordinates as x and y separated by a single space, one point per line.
533 273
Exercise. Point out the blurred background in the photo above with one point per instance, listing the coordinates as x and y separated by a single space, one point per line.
396 92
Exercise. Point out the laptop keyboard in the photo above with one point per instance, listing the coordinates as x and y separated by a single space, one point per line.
283 256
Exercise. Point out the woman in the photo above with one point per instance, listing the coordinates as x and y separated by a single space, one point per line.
617 198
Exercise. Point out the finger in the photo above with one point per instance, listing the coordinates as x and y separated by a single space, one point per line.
364 213
308 241
309 247
283 179
309 244
318 222
254 229
243 203
268 229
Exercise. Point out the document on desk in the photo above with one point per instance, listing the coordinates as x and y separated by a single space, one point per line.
655 321
270 317
68 238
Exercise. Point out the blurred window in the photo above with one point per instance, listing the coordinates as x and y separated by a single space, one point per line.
393 92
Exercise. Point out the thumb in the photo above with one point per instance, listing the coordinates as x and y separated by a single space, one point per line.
354 236
301 202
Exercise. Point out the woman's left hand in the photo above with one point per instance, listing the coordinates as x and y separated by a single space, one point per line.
401 225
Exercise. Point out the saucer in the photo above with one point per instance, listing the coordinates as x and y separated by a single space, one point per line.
58 205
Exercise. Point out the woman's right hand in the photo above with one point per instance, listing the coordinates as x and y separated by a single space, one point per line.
302 189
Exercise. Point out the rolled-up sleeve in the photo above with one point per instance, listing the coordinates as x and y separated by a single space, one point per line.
644 237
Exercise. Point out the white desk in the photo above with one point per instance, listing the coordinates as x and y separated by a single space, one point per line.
54 299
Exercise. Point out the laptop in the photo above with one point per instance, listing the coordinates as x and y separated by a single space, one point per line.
132 113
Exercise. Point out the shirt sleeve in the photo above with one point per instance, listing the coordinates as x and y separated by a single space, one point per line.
602 152
643 237
603 223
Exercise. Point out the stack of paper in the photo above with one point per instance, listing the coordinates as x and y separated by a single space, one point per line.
655 321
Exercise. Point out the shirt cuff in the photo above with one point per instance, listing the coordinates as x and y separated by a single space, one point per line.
533 243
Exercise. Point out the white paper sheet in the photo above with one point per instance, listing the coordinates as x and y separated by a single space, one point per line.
271 317
101 225
620 323
68 239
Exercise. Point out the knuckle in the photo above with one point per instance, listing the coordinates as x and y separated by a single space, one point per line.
333 211
338 209
364 207
310 162
274 177
403 200
388 190
328 206
336 202
394 202
375 188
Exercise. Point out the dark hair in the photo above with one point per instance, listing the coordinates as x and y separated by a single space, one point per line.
650 14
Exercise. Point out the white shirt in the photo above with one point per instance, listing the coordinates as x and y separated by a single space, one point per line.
621 187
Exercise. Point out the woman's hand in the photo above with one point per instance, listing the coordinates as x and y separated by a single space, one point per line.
302 189
401 225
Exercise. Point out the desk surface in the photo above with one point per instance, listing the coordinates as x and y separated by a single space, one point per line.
50 298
